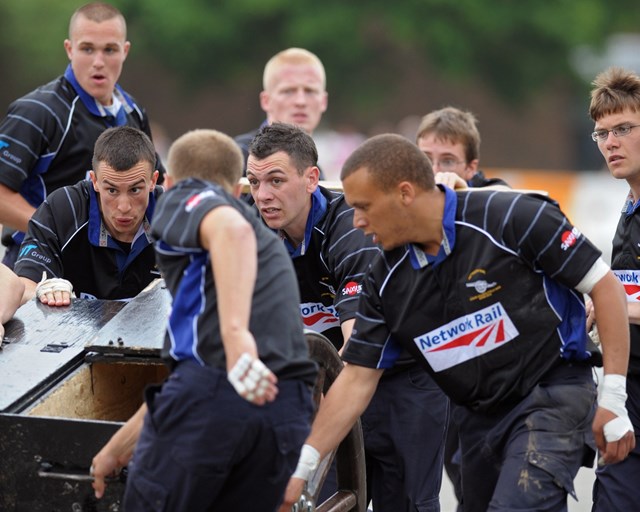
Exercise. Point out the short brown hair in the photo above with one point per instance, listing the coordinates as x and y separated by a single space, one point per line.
290 139
122 147
614 90
453 125
391 159
208 155
98 12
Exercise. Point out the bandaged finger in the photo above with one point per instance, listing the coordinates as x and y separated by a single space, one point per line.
249 377
53 285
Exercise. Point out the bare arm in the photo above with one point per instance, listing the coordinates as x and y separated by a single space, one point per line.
15 212
231 242
118 451
610 306
11 290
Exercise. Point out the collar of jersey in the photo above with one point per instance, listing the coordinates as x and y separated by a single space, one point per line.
418 257
318 209
629 206
95 107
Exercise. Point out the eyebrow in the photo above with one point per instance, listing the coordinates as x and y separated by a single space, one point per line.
114 185
272 171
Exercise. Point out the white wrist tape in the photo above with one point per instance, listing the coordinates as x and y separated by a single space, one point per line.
307 463
249 377
55 284
612 395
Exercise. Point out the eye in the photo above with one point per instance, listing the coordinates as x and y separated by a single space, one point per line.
601 134
136 190
277 181
253 183
111 191
623 129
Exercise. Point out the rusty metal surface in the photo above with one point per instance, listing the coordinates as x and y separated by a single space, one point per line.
139 328
42 341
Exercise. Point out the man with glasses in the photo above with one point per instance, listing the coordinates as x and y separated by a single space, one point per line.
615 110
450 138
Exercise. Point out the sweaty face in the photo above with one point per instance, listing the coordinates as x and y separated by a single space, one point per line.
376 212
622 154
124 197
97 52
295 95
447 156
282 195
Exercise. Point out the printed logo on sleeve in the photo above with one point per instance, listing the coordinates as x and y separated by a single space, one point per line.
569 238
467 337
352 288
195 200
630 280
318 317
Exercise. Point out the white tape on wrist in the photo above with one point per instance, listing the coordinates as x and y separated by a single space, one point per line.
307 463
55 284
612 395
249 377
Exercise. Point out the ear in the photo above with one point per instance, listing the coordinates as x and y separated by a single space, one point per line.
68 48
154 178
237 190
407 192
264 101
313 178
94 180
127 46
470 170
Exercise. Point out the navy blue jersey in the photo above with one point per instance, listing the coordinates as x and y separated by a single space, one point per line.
625 263
330 265
493 311
194 329
67 238
47 137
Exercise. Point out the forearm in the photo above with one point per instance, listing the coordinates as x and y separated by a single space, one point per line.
123 442
345 402
29 289
12 291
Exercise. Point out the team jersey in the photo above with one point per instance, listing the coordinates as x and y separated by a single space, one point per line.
67 238
330 264
194 329
625 263
493 311
47 137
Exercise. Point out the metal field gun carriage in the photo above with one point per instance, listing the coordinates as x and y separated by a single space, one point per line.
69 378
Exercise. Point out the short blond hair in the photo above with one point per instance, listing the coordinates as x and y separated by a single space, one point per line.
208 155
291 56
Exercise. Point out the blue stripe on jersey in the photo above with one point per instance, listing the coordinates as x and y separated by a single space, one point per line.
570 310
187 308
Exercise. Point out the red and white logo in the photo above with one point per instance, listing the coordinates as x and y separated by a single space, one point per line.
195 200
352 288
467 337
318 317
569 238
630 279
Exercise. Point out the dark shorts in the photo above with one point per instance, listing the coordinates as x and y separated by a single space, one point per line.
617 486
526 458
203 447
404 430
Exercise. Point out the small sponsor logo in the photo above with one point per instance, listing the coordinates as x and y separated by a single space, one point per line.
630 280
569 238
319 317
467 337
478 282
26 249
195 200
3 144
352 288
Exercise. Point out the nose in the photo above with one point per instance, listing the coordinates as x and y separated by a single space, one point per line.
300 96
359 220
124 204
611 140
261 193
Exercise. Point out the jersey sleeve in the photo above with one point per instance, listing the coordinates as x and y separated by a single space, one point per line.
25 135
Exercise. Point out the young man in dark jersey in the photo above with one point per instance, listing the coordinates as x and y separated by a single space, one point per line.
225 430
484 289
405 423
615 110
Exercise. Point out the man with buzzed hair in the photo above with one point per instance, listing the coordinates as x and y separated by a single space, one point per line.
47 137
294 92
94 237
225 430
485 290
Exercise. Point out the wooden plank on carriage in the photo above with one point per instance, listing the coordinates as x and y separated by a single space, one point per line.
42 341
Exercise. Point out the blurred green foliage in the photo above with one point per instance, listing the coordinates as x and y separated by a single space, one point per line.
514 47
